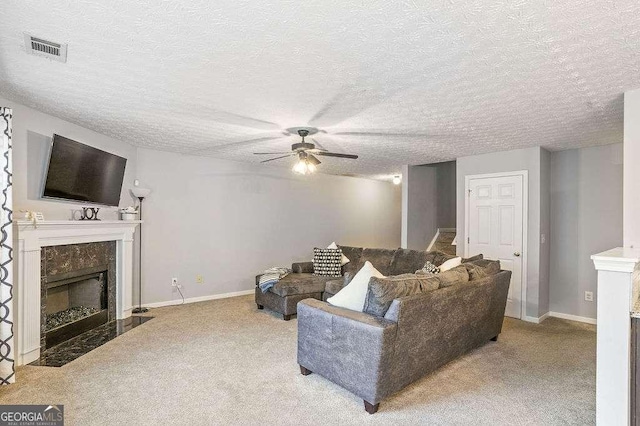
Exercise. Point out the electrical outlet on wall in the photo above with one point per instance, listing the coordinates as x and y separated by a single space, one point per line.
588 296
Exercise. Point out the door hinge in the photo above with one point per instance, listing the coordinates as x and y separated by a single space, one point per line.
468 240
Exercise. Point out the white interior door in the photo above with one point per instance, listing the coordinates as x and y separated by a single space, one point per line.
495 223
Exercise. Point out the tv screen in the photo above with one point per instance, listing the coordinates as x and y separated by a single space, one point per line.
78 172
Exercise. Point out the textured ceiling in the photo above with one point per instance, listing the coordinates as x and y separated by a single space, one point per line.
433 80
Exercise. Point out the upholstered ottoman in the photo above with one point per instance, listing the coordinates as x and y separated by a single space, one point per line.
285 295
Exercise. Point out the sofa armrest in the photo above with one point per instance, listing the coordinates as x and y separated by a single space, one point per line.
302 267
350 348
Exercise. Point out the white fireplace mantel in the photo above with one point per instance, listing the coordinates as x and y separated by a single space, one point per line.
30 240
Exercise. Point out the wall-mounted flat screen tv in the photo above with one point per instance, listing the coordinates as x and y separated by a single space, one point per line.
78 172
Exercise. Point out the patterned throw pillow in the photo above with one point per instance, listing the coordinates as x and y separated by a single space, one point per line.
327 262
429 268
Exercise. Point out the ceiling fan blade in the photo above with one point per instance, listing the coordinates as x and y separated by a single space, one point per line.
271 153
334 154
277 158
319 146
313 160
395 134
237 144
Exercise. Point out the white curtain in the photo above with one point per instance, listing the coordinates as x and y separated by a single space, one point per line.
7 348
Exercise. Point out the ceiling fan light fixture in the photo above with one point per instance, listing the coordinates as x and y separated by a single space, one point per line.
306 164
301 167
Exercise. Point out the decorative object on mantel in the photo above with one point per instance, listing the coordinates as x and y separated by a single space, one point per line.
90 213
35 217
7 348
129 213
140 193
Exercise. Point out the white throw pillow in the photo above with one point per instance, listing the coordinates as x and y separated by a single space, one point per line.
353 295
450 264
345 259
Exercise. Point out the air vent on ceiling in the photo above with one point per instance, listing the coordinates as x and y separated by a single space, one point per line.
46 48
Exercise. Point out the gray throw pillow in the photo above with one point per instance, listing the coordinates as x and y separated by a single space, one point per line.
473 258
453 276
382 291
482 268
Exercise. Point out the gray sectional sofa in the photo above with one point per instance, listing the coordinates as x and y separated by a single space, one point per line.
375 356
302 284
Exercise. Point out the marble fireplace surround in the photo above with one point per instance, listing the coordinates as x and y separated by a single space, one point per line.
30 241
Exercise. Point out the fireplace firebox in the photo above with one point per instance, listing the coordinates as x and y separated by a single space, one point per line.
76 303
77 290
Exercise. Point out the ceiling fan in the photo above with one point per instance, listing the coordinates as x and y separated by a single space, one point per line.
306 153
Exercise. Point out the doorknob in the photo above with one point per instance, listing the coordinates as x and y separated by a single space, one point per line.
516 254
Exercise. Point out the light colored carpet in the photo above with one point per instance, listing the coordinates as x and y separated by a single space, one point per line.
224 362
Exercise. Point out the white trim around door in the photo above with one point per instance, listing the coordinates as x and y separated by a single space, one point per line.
525 225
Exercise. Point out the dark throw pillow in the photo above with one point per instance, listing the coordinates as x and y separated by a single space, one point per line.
429 269
327 262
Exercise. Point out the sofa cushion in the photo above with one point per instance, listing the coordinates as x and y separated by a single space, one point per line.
473 258
379 258
302 267
407 261
335 285
300 284
453 276
438 257
382 291
355 263
482 268
327 262
354 294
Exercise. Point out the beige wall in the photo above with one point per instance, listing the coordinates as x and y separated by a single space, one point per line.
631 209
228 221
586 218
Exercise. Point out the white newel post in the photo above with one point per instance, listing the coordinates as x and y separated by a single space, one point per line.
32 237
617 295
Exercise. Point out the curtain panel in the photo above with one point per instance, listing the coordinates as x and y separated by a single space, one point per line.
7 348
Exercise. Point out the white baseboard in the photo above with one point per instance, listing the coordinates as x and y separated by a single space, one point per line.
572 317
535 320
198 299
538 320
